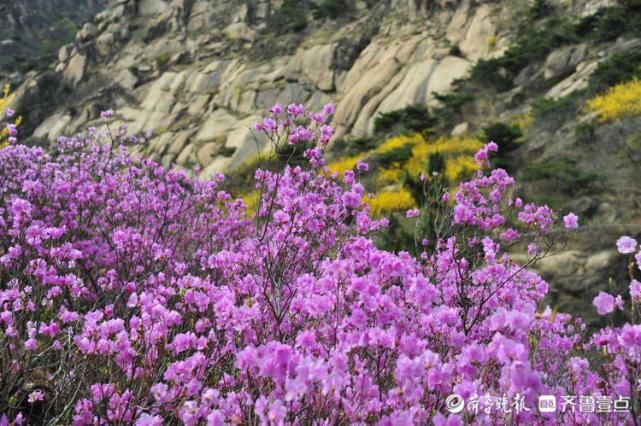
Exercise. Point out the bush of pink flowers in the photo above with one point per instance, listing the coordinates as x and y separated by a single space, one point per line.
131 294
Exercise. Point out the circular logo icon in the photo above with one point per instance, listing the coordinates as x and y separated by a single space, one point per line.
454 403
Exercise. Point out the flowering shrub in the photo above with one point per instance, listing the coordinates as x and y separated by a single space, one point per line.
9 132
456 153
345 164
385 202
619 101
135 295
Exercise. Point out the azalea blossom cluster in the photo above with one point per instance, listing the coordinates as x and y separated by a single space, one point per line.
296 127
131 294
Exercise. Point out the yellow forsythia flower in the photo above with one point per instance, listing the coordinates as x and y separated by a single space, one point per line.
396 142
391 175
491 42
450 147
390 201
344 164
618 101
458 152
457 168
5 101
251 201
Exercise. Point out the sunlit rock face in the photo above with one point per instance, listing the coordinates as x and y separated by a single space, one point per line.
176 67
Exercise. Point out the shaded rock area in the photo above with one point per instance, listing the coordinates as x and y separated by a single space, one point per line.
31 31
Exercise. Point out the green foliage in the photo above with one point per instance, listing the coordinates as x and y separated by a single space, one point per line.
162 59
617 68
290 17
540 9
292 154
634 142
605 25
227 151
552 113
454 101
353 146
507 138
42 34
414 118
533 44
492 72
36 50
397 236
585 133
349 48
504 135
435 163
69 28
633 146
352 43
542 107
610 23
396 156
435 220
449 112
567 177
362 144
416 188
332 9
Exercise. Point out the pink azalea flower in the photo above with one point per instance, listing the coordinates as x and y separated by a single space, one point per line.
605 303
626 245
571 221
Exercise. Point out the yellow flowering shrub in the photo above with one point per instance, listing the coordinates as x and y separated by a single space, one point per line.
390 175
344 164
396 142
523 121
390 201
251 200
459 163
457 168
619 101
457 150
449 147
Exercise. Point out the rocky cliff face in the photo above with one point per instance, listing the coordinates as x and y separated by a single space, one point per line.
202 71
197 71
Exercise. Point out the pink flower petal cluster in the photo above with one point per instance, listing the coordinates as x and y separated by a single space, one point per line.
571 221
626 245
